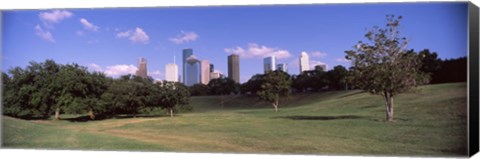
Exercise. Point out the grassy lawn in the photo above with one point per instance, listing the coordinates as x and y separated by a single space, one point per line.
431 122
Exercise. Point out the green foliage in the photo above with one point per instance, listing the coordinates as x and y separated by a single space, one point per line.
383 66
41 89
312 80
223 86
337 78
314 123
199 90
275 85
252 86
169 95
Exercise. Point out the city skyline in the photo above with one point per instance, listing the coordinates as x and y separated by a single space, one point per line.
108 40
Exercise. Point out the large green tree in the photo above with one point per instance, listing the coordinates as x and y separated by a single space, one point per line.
222 86
171 95
275 84
199 90
337 78
383 66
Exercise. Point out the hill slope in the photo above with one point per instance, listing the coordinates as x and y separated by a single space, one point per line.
430 122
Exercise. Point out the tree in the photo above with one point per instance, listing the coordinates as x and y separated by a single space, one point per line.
383 67
311 80
276 84
337 78
222 86
252 86
199 90
171 94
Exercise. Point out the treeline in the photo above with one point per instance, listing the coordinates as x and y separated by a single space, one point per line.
443 71
339 78
43 89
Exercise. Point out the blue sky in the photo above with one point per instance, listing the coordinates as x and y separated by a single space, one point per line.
111 40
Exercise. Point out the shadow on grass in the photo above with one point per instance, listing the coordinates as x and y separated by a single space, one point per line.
86 118
299 117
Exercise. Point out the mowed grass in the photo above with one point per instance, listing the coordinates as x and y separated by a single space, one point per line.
431 122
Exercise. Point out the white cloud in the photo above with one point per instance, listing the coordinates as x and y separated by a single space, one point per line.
124 34
184 37
137 36
44 34
318 54
114 70
258 51
118 70
55 16
157 75
342 60
87 25
94 67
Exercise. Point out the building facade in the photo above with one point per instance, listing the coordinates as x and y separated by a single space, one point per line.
304 65
142 68
185 54
269 64
214 75
234 68
282 67
212 68
205 72
171 72
192 71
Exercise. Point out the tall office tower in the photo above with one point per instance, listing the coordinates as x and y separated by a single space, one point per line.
205 72
212 68
282 67
234 68
142 68
192 71
171 71
186 53
304 66
269 63
323 67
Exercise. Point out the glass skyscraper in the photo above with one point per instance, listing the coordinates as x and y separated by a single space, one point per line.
186 53
269 63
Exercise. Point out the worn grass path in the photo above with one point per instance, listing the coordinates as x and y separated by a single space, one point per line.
431 122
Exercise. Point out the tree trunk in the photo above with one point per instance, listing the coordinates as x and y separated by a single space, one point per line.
91 114
57 113
171 112
275 105
389 107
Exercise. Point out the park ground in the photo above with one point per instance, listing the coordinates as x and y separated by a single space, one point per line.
430 122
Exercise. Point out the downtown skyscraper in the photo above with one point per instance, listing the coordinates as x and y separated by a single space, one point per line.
171 71
269 63
192 71
142 68
234 68
282 67
204 72
304 65
185 54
